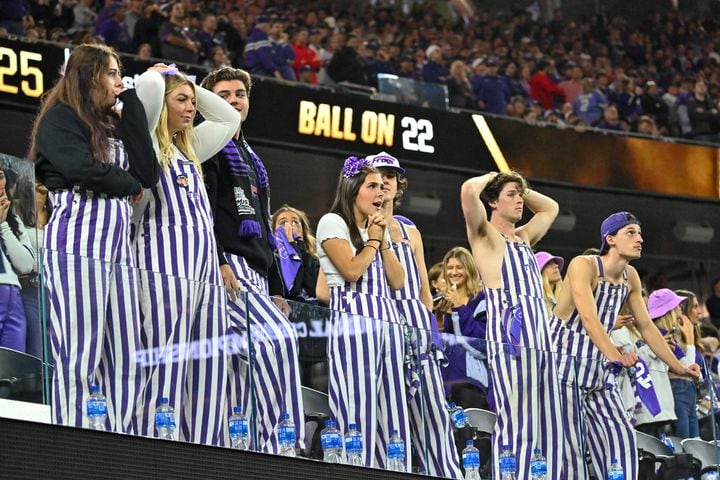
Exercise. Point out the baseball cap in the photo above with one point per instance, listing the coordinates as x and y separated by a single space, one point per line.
615 222
543 258
385 160
663 301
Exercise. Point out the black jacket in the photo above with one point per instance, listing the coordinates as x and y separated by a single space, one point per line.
65 158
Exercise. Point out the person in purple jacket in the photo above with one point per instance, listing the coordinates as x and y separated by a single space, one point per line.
259 50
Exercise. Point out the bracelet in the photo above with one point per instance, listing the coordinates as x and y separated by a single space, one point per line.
371 246
387 247
373 240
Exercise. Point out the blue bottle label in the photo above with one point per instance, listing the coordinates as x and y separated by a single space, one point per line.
353 444
238 428
164 420
459 418
96 408
538 468
507 464
471 460
396 450
286 435
329 440
616 476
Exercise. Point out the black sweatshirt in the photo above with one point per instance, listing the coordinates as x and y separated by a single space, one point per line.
255 250
65 158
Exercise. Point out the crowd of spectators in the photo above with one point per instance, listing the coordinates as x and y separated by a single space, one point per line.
658 77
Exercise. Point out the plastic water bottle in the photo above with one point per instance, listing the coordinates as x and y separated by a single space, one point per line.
239 433
165 420
507 464
538 466
668 442
471 461
96 408
616 471
354 446
332 443
458 416
286 436
396 453
711 475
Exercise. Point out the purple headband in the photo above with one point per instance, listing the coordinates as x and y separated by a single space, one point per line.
353 165
173 70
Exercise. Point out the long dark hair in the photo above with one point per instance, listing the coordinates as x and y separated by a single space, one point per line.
347 190
80 89
10 180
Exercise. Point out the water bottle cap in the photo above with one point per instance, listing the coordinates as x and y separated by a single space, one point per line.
506 447
353 426
451 405
662 436
237 409
284 416
614 460
394 432
329 423
469 443
164 400
94 388
537 451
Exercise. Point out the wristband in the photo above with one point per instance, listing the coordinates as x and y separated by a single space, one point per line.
371 246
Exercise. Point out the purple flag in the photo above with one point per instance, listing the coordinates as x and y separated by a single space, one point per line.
290 261
644 389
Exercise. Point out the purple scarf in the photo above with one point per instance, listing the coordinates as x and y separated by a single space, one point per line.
242 190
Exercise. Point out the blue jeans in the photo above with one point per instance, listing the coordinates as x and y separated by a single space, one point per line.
686 425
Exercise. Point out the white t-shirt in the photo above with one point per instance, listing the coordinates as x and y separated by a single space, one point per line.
332 225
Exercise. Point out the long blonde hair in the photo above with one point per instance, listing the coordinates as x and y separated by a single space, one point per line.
308 234
550 292
463 255
183 139
670 321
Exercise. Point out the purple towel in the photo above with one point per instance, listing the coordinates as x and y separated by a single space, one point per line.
512 325
290 261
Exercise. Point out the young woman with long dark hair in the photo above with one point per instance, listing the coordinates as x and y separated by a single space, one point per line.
94 165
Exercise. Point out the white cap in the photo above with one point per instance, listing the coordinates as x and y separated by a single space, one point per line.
385 160
430 50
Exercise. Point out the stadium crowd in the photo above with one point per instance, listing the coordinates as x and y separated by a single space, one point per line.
658 77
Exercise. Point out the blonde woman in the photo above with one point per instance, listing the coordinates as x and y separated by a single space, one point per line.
299 283
665 310
182 301
550 271
465 316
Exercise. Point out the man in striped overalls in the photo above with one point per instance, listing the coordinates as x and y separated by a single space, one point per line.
239 191
430 424
522 370
596 288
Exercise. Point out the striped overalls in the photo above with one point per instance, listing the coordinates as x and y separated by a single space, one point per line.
366 352
276 378
595 412
430 424
183 305
522 371
92 291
